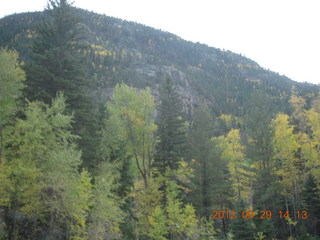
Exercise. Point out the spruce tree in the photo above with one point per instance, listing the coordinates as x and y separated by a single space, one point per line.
311 197
170 134
57 64
200 152
311 201
220 193
242 227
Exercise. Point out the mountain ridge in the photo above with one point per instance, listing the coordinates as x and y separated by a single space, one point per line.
125 51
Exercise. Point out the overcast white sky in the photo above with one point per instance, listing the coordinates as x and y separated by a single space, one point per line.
282 35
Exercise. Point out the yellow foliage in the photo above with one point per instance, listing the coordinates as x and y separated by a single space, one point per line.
285 147
233 152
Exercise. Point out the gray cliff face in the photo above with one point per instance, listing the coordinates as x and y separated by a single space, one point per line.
156 74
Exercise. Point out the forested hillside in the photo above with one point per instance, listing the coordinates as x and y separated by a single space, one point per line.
114 130
141 56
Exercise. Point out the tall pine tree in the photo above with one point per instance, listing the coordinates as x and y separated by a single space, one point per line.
242 227
171 138
57 64
200 152
311 202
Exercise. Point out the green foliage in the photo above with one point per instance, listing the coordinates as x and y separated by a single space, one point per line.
106 214
266 184
285 147
170 133
181 220
207 231
11 83
158 228
114 149
175 219
131 116
311 143
311 203
46 187
81 203
311 197
240 169
5 184
57 65
147 199
174 210
242 228
141 56
200 153
191 223
43 192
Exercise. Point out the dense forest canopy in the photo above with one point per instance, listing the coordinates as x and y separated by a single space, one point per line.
113 130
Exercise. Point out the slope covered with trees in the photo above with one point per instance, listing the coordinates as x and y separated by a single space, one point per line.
122 51
114 130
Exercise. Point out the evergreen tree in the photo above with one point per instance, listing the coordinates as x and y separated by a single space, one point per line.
266 186
221 186
242 227
200 152
311 202
57 64
170 134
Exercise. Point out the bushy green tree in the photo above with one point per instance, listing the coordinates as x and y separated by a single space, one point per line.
114 149
106 214
11 84
48 197
148 209
158 227
131 117
181 219
172 220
